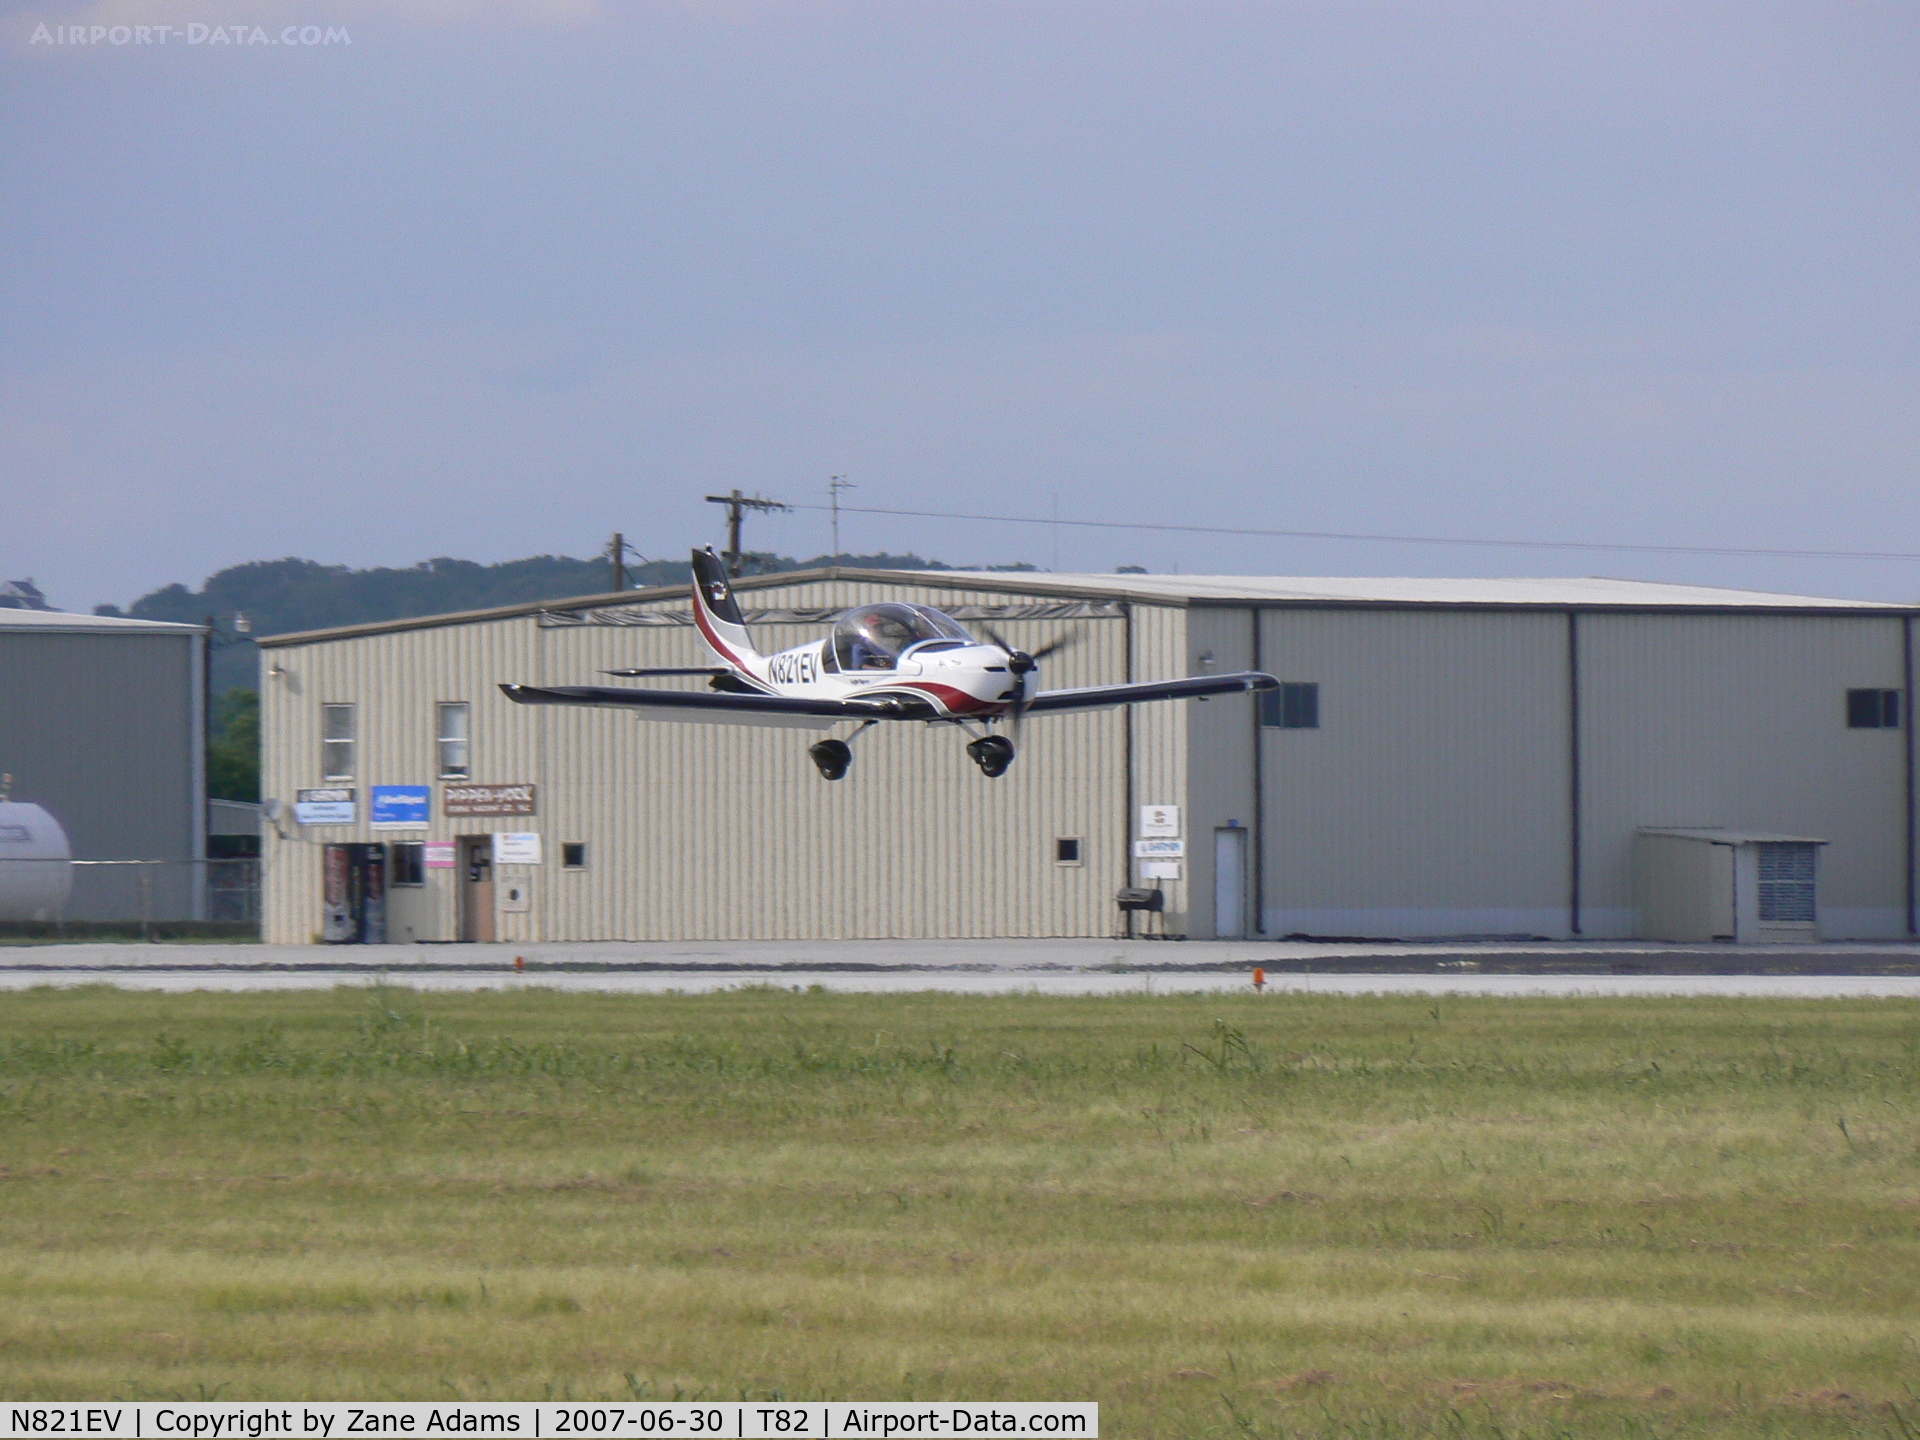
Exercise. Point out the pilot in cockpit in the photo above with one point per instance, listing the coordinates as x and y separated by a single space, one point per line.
874 637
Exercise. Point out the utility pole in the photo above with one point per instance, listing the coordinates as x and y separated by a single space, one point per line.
835 484
617 556
737 504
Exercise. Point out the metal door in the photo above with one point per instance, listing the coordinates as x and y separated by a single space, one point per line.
1230 883
476 887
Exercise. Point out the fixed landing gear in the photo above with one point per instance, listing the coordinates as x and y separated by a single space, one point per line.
993 754
832 757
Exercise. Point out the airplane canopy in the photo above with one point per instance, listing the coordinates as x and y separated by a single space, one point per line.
873 637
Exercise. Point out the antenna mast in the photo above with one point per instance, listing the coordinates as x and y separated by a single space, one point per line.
737 505
835 484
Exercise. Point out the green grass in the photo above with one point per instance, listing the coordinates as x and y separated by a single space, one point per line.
1242 1216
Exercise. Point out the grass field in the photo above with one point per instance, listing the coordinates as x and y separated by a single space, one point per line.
1228 1215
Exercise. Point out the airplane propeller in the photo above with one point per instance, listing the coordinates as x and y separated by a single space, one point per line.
1023 663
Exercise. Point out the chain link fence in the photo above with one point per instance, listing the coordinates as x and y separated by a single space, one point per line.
46 898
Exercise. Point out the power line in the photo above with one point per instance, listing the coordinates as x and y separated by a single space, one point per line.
1243 530
737 504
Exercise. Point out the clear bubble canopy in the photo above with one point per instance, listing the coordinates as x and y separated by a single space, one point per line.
874 637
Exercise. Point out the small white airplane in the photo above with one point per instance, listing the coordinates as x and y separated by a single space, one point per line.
883 661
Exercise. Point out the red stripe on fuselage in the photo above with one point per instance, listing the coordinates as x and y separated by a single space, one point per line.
950 700
705 624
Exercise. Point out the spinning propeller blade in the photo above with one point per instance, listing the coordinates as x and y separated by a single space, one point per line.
1022 663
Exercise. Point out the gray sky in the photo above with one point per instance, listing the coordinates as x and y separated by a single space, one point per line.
498 278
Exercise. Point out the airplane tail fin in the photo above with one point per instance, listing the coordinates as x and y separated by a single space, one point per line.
718 615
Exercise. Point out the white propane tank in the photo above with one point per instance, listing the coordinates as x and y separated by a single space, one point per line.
36 873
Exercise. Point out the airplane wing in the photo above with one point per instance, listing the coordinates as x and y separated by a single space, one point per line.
722 707
1192 687
674 670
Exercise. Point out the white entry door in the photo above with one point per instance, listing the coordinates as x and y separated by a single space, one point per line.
1230 883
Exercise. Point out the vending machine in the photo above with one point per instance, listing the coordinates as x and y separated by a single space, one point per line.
354 896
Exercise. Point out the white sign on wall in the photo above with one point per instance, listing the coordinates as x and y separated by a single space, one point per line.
1159 819
1159 849
1160 870
516 848
329 806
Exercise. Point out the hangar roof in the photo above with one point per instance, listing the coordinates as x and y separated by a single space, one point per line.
1714 835
59 622
1421 590
1590 593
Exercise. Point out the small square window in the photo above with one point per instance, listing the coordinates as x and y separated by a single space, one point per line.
1294 706
409 865
1873 709
573 855
1066 850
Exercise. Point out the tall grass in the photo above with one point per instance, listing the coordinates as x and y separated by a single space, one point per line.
1246 1216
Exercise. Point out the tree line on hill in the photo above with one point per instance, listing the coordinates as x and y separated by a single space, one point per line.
279 597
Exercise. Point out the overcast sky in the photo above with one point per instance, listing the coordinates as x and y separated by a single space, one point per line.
495 279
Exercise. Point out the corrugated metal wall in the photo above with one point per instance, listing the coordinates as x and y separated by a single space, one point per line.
1435 798
103 730
1161 749
714 831
1220 734
1741 721
1432 799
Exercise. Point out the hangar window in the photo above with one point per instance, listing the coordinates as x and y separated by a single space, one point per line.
1294 706
1873 709
453 733
336 742
1066 850
573 855
409 863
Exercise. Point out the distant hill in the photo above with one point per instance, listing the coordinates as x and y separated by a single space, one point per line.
280 596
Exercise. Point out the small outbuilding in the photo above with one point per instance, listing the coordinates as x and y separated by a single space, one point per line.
1444 758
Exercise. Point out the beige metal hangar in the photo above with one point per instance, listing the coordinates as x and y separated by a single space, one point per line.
1444 758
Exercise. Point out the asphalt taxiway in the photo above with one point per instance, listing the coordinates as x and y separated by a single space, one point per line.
1068 966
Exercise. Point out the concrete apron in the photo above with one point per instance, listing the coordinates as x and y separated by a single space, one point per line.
982 957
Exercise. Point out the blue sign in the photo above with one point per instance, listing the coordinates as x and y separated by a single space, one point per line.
398 807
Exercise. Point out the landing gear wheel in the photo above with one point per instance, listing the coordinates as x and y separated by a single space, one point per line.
993 754
832 756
